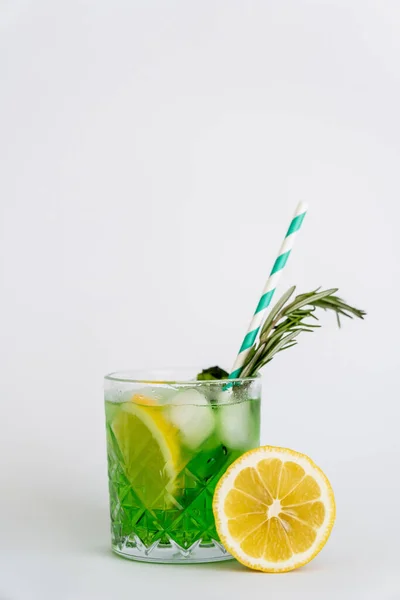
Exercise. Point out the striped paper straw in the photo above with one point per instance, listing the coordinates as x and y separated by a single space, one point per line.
269 289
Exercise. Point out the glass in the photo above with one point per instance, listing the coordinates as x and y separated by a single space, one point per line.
169 440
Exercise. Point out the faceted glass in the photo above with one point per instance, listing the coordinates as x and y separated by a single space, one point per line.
169 440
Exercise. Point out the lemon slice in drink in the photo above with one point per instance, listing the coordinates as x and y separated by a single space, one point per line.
149 446
274 509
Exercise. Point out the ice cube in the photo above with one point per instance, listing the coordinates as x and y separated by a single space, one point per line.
192 414
158 394
116 395
234 426
224 396
141 395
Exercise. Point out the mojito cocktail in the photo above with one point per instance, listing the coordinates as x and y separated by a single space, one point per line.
169 442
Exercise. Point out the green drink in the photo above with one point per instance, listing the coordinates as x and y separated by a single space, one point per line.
169 442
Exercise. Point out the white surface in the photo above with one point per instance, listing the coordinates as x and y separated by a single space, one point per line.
151 156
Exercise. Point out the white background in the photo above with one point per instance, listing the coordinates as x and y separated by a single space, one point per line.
152 153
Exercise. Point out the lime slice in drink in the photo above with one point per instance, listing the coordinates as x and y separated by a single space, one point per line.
149 447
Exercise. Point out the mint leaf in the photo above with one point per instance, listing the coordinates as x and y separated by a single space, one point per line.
212 373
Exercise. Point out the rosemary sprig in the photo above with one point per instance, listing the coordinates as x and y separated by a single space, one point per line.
288 319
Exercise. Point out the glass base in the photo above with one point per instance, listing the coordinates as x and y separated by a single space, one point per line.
133 549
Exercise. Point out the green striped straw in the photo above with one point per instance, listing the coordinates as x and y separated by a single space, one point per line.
269 290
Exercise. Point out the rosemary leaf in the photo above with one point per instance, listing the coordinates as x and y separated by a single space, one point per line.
288 319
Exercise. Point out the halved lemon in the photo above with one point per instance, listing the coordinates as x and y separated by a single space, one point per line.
274 509
149 446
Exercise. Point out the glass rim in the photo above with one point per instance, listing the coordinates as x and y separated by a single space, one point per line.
123 377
